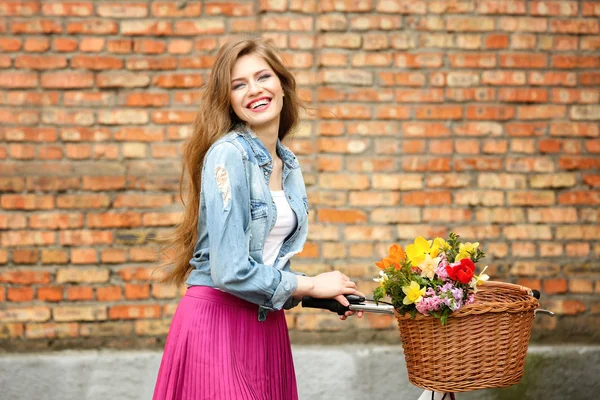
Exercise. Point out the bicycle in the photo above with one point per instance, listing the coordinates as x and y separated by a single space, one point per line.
358 303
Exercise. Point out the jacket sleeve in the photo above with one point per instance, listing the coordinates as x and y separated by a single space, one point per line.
227 197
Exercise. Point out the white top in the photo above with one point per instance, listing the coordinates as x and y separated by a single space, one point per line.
284 225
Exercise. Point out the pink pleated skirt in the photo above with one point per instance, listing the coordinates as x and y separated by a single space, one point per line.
218 350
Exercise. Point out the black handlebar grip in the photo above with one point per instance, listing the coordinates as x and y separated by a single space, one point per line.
325 304
536 294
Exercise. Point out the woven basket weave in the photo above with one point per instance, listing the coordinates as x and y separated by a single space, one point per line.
483 345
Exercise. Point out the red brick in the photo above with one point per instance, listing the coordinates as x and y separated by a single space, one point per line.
40 62
114 220
83 256
76 293
19 294
555 286
15 80
592 180
530 283
37 25
137 291
134 311
10 45
574 26
581 286
579 197
590 78
574 61
19 8
36 44
67 80
120 46
82 201
128 10
567 307
179 46
113 256
340 216
13 221
164 291
91 45
109 293
93 27
577 249
27 238
50 293
25 256
96 62
64 45
50 256
170 9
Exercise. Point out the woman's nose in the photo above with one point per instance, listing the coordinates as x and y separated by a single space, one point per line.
254 88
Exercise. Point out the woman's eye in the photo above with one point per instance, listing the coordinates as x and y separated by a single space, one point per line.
264 77
239 85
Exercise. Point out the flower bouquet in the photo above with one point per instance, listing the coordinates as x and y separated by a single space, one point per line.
432 277
444 309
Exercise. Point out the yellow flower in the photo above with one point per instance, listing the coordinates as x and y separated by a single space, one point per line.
466 250
438 246
428 266
461 255
414 293
479 279
416 252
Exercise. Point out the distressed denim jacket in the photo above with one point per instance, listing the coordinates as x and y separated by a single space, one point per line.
236 215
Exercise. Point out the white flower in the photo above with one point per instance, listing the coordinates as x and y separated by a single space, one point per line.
383 277
428 266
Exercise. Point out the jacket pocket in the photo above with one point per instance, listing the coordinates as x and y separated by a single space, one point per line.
258 209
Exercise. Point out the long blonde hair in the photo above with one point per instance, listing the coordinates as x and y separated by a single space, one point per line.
214 119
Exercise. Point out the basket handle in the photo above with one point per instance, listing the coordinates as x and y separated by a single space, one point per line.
510 286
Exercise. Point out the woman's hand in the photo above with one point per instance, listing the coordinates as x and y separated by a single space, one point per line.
329 285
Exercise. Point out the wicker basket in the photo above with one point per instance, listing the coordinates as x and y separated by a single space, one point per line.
483 345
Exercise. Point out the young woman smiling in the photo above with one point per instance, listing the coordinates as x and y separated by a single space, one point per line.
244 219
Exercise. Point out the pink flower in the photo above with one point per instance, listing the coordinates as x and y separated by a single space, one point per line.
430 302
440 270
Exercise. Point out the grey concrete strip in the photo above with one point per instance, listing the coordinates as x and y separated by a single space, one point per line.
323 372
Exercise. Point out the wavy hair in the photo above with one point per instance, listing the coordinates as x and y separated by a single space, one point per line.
214 119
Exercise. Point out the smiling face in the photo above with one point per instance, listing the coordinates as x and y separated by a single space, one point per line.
256 92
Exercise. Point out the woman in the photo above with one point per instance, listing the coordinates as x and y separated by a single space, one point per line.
246 216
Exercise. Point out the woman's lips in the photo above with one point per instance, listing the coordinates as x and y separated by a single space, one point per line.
260 108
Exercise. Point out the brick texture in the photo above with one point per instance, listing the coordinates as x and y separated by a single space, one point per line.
476 116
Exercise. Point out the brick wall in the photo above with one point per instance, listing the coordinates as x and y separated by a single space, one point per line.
426 116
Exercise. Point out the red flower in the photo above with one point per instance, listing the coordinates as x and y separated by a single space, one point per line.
461 271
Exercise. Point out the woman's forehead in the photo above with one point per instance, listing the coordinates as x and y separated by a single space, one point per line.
248 64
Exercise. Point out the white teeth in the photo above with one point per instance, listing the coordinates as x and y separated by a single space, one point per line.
259 103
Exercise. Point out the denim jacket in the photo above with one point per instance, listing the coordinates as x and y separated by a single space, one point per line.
236 215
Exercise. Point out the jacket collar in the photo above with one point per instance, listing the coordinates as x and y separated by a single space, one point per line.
260 151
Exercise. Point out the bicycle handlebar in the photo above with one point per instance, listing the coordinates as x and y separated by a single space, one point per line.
357 303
